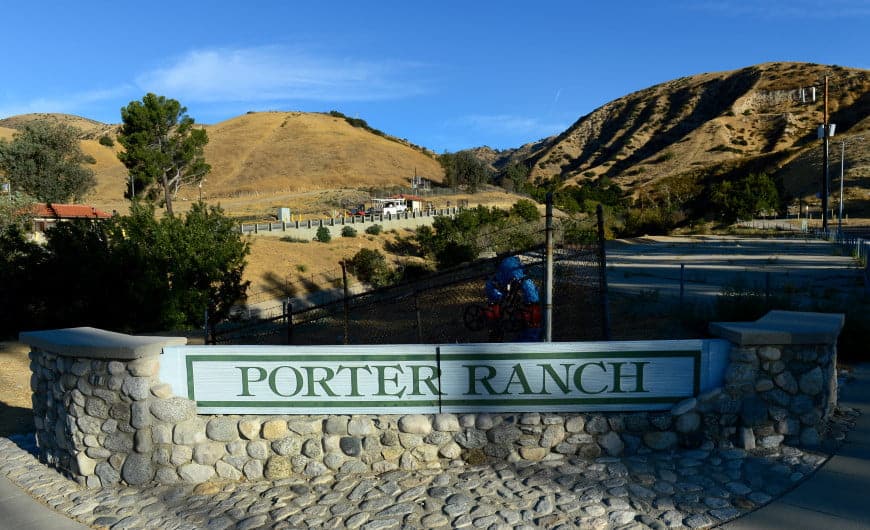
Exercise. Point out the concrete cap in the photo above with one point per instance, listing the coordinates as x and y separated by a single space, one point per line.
96 343
783 327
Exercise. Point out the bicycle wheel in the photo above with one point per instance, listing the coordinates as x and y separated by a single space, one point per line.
474 317
514 319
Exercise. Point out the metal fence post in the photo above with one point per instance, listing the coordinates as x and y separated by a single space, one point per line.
682 283
602 275
205 326
548 290
288 320
866 245
346 303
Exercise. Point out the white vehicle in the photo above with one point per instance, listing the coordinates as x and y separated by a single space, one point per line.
389 206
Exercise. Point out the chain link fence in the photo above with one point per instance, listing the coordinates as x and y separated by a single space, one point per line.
438 309
449 306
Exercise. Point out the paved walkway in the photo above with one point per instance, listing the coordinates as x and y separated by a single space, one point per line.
833 498
20 511
837 497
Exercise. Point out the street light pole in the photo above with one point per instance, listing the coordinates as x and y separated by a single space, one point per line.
825 163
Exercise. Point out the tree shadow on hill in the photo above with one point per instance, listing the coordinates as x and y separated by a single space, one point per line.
279 285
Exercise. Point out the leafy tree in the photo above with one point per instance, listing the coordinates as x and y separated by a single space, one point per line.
162 148
515 177
44 160
177 268
20 262
208 258
15 209
460 239
744 198
526 210
132 273
464 169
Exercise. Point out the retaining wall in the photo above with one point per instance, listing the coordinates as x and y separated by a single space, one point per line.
104 418
308 229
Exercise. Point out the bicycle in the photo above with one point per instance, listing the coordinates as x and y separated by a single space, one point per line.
509 315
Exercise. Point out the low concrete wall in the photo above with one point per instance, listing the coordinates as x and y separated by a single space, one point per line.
308 229
104 418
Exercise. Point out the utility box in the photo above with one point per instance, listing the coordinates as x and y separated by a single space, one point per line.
284 215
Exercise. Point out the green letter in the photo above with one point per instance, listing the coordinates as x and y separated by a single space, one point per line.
382 378
638 376
472 387
578 377
354 383
521 380
563 384
273 381
415 373
322 382
245 380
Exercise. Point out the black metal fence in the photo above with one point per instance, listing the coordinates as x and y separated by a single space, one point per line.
440 308
437 309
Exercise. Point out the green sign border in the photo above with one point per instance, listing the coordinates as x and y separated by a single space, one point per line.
695 354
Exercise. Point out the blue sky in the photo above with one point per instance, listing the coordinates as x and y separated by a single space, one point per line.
446 75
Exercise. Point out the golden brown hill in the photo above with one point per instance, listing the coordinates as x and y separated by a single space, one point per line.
266 154
91 129
294 151
667 137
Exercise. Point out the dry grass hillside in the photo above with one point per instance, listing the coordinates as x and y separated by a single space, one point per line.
264 158
666 141
669 136
293 151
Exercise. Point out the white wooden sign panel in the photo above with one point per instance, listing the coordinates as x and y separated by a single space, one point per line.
427 379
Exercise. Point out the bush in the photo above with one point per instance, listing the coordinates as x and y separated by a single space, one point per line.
374 229
348 231
526 210
323 235
106 140
664 157
371 267
293 239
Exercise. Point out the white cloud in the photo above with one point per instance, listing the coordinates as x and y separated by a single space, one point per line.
508 124
786 9
275 73
73 103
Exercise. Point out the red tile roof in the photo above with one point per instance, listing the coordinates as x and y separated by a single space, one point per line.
69 211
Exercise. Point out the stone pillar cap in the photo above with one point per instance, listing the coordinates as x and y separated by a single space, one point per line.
783 327
97 343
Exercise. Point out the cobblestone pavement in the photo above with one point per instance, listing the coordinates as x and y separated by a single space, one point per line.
696 488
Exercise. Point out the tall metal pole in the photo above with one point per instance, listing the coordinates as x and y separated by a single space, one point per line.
825 134
548 290
842 165
346 302
602 275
